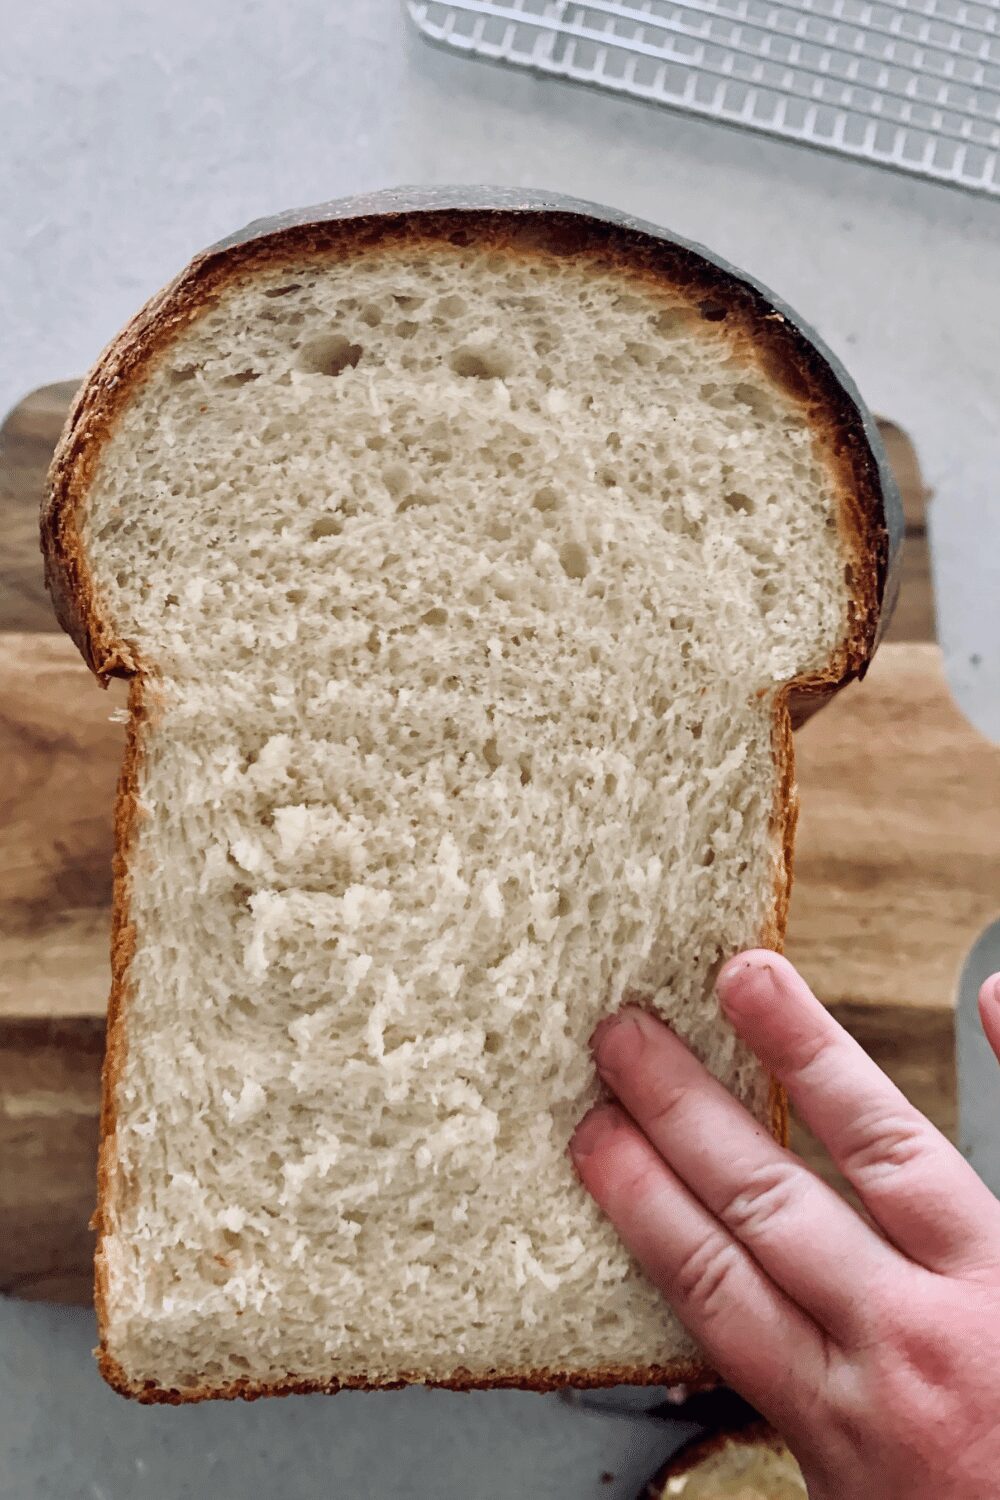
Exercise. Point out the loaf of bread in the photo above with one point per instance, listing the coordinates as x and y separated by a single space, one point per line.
752 1464
464 554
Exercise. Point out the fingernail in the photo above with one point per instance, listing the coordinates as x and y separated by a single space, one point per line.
592 1129
619 1039
990 992
754 976
603 1027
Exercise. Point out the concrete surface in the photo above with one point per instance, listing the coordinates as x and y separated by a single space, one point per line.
135 132
65 1436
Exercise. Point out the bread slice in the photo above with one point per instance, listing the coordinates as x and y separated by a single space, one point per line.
463 554
752 1464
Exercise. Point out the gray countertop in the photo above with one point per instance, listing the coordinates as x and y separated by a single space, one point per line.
134 134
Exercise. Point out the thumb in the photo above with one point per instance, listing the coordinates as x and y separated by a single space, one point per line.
989 1012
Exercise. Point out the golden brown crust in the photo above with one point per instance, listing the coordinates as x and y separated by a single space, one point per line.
699 1450
694 1375
762 334
122 948
784 817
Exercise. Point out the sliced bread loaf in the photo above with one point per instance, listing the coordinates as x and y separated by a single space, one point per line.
465 554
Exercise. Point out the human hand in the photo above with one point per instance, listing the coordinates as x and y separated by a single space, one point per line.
873 1348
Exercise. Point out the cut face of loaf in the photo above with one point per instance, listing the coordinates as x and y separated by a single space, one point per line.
461 563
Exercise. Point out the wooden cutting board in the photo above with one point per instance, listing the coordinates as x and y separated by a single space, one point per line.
896 869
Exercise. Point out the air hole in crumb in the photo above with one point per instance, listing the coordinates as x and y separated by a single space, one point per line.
610 784
708 858
613 441
758 401
479 363
598 905
546 499
573 559
184 372
331 355
435 616
407 302
564 905
409 501
713 312
371 315
608 478
736 500
406 329
672 321
396 477
695 730
491 753
375 443
242 377
282 291
452 306
641 354
849 575
325 526
171 600
296 596
525 772
493 1042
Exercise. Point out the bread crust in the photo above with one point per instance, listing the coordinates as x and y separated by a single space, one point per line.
870 519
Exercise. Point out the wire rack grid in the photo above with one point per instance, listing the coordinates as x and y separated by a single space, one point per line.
910 84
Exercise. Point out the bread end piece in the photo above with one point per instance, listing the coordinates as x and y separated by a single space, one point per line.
752 1463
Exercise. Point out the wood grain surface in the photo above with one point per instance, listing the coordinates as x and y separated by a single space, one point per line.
27 439
61 740
896 868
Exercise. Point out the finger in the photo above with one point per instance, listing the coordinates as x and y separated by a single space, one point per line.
914 1184
753 1335
806 1238
989 1012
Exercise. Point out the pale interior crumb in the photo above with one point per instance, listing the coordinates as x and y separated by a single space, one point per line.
464 585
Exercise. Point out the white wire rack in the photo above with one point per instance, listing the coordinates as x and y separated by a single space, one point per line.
912 84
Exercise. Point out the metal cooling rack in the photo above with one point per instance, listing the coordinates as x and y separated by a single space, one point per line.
912 84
